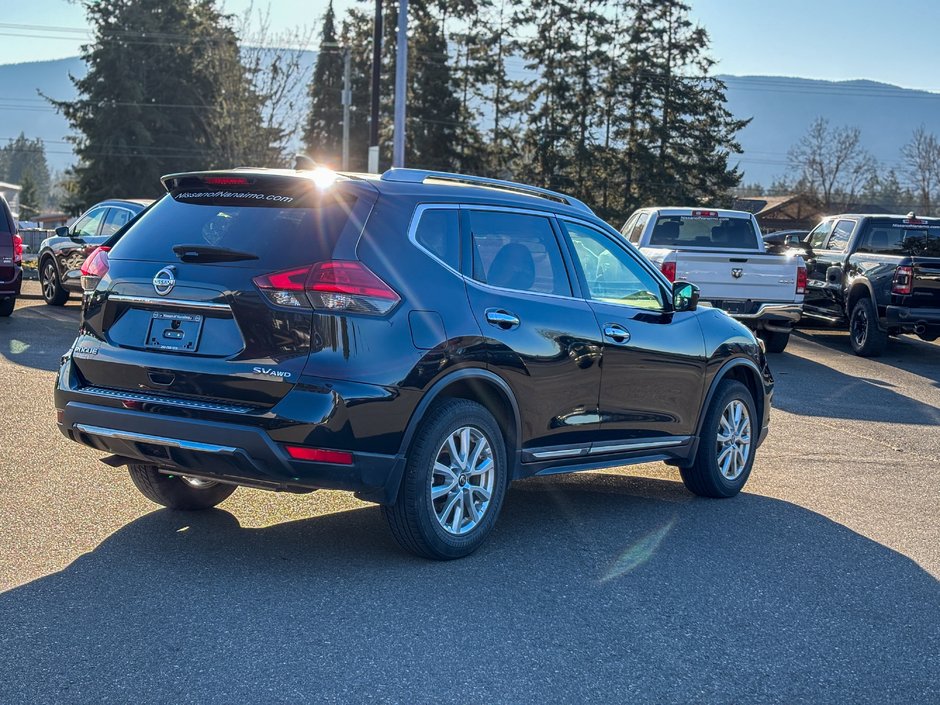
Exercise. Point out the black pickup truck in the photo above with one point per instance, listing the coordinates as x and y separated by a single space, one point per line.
877 274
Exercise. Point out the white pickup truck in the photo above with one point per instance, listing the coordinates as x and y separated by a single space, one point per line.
722 252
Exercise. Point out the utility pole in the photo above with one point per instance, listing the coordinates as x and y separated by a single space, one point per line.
401 85
347 101
376 75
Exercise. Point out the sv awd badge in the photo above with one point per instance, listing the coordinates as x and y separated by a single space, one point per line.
271 372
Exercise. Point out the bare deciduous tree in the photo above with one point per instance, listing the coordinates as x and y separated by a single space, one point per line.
921 159
832 162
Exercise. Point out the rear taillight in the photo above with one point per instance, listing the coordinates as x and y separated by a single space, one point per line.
95 266
801 279
903 280
669 270
338 285
17 249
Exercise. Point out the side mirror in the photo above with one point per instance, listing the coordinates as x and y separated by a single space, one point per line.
684 296
62 231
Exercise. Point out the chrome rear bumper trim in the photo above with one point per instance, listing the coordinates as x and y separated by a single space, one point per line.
154 440
166 401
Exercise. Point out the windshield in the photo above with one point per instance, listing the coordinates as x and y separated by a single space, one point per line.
901 239
684 231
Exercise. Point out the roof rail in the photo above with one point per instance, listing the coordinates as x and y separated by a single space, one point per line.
419 176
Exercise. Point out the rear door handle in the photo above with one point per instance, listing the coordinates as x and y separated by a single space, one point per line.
502 319
617 333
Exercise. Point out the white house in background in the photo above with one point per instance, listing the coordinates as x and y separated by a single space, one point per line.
11 192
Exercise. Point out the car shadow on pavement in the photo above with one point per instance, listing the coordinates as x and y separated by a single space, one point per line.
36 336
806 387
593 587
905 352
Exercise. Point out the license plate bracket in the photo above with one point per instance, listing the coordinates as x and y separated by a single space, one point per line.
174 331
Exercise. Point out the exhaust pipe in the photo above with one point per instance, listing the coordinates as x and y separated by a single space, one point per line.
920 329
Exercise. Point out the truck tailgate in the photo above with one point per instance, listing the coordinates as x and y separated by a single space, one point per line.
754 277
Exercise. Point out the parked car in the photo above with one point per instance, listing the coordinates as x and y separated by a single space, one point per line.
721 252
60 257
11 260
784 240
421 339
879 275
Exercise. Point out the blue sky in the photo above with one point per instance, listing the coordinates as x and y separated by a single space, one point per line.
894 41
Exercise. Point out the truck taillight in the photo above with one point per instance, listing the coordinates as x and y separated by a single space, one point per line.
95 266
669 270
17 249
801 279
903 280
704 214
337 285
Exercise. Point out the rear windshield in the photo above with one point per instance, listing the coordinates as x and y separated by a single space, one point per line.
702 231
900 239
283 230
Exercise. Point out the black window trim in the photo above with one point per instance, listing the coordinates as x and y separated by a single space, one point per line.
617 240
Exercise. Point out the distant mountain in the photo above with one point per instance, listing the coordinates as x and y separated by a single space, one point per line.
781 108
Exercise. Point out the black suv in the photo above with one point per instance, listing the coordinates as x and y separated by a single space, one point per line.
421 339
877 274
61 256
11 260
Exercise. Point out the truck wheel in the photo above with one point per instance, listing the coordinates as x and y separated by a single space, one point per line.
867 339
454 483
727 444
53 293
178 491
774 341
7 306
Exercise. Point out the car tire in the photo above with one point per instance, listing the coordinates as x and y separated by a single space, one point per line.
53 293
178 491
7 306
774 341
458 456
718 470
867 339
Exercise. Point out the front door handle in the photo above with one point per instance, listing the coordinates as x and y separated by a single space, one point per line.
617 333
502 319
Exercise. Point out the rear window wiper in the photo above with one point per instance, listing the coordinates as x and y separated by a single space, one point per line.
208 253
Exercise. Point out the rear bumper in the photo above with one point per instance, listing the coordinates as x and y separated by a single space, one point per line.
10 286
769 316
240 448
228 452
909 318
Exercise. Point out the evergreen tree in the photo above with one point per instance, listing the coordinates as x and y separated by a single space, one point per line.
22 159
324 134
164 92
30 205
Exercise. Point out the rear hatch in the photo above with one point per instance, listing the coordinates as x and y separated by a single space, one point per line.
7 229
181 310
722 255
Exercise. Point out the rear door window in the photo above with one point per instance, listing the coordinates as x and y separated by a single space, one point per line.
900 239
114 221
841 235
517 251
696 231
303 231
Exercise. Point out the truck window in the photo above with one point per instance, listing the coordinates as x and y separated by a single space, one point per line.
627 229
900 239
696 231
638 228
840 235
819 234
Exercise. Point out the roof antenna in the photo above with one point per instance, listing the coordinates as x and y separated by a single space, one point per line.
304 163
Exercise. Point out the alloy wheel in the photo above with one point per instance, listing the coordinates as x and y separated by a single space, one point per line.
49 281
734 440
860 326
462 480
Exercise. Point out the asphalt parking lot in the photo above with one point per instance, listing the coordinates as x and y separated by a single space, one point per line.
819 583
